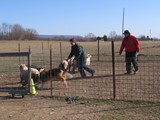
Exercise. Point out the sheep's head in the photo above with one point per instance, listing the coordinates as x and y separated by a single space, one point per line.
23 66
89 56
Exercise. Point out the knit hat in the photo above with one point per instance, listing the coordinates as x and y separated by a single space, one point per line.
126 32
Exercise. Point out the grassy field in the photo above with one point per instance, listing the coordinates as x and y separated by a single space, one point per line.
148 48
137 95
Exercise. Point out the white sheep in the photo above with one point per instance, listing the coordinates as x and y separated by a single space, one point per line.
73 64
88 60
24 74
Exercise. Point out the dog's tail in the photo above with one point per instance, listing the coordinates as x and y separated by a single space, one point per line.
68 75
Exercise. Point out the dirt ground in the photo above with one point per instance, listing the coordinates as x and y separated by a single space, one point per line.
47 108
43 107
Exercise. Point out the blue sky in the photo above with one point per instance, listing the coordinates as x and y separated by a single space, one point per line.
80 17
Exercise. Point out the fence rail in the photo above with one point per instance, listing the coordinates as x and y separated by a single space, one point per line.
9 79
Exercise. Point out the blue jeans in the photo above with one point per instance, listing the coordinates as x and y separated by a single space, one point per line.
82 66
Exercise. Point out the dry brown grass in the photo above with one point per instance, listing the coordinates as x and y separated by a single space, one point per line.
142 86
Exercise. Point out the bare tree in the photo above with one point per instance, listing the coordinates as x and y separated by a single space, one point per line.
18 32
112 35
30 34
5 31
90 36
1 34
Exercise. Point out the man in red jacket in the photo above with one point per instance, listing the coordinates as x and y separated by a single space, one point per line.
131 45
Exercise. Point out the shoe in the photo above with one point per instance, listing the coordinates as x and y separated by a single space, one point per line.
83 76
68 100
92 74
127 73
136 70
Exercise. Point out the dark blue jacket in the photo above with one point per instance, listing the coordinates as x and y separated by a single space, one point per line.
78 51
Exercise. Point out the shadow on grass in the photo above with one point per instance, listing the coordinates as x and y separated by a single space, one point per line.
96 77
119 109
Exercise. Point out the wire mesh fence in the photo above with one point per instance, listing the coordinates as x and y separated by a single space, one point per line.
10 81
141 86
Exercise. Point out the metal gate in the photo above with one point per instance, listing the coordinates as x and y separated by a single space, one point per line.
10 74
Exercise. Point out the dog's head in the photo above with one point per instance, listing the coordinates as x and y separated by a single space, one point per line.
63 65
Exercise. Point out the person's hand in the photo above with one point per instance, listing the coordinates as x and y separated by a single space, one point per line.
66 59
137 54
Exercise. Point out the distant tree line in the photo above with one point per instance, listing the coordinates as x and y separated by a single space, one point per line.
112 36
146 38
16 32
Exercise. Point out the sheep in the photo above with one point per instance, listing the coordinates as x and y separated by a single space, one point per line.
24 74
72 63
88 60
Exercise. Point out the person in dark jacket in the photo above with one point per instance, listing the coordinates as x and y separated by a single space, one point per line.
131 45
80 57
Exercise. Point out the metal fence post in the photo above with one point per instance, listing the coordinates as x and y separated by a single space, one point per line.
43 53
113 70
19 50
98 50
51 69
29 70
61 50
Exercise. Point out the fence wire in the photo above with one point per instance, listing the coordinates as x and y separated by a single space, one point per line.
141 86
9 73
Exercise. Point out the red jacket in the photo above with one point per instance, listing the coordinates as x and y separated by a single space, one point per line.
130 44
